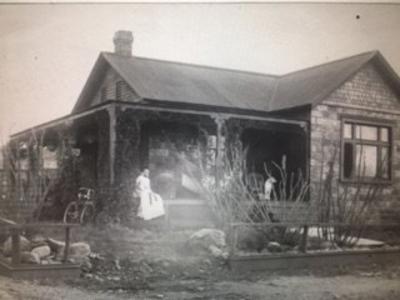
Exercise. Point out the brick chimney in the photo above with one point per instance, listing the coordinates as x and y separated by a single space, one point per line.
123 40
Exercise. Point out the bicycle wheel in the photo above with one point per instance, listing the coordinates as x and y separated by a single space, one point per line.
71 214
87 214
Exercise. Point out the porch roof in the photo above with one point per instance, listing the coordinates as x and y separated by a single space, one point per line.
148 106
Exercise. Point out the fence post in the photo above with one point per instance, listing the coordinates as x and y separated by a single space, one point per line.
16 246
234 240
304 239
67 242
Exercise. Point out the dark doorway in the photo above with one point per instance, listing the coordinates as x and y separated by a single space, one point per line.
266 147
172 152
87 142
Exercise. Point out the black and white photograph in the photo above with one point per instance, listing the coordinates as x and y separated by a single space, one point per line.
200 150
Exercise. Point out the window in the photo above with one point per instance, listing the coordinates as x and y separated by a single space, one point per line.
366 151
49 158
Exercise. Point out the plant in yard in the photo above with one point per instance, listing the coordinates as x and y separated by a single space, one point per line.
237 198
350 206
35 186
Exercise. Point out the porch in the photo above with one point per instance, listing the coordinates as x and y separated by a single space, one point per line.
111 143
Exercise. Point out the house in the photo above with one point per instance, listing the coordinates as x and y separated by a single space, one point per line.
137 112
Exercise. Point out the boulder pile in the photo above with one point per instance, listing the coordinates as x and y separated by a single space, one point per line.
44 251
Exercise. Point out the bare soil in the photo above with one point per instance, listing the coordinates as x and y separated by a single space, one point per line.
156 265
356 284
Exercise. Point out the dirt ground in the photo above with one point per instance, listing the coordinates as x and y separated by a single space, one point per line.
382 285
154 265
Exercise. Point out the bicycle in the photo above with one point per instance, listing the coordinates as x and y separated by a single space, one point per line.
81 210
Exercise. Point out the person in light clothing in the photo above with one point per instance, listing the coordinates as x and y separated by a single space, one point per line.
151 205
268 187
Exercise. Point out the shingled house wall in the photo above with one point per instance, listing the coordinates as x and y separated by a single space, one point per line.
364 95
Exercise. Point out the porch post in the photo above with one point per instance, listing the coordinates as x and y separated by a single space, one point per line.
220 123
307 137
18 164
112 141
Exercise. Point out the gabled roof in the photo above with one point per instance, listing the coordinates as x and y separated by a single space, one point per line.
171 82
312 85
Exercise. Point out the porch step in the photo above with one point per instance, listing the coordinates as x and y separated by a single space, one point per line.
189 213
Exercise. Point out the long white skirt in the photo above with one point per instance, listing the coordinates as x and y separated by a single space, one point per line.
151 206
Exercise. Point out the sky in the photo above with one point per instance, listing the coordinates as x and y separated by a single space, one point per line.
48 50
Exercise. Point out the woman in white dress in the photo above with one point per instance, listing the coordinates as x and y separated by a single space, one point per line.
151 205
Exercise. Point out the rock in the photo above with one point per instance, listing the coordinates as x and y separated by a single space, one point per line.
88 276
113 278
80 249
86 266
218 253
41 251
98 278
72 261
78 252
25 245
96 256
55 245
207 237
38 240
215 251
208 241
30 258
274 247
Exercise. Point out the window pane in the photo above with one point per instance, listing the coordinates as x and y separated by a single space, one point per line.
384 162
366 161
366 132
347 131
385 134
348 160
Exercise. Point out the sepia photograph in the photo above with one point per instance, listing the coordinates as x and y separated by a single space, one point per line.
200 151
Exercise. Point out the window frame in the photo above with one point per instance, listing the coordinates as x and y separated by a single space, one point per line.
42 159
365 121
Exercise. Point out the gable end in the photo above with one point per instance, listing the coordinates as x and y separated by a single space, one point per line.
105 85
367 88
